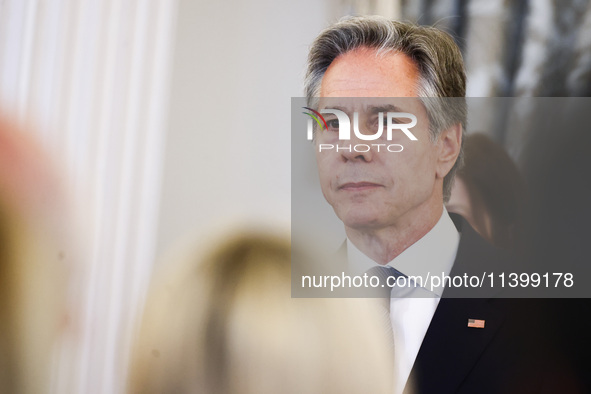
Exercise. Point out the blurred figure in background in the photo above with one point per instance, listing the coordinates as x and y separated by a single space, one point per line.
228 324
32 274
489 192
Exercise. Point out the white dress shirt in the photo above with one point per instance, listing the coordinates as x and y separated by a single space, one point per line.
434 254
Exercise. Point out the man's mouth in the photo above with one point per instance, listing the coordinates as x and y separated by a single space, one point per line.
359 186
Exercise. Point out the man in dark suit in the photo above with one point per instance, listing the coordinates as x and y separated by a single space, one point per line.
381 73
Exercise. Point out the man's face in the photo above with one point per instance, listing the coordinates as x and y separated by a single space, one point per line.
373 190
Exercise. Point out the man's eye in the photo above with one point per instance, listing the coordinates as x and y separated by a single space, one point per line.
333 124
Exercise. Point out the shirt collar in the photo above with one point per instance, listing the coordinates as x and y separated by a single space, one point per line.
433 254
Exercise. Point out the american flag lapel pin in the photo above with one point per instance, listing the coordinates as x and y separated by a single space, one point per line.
475 323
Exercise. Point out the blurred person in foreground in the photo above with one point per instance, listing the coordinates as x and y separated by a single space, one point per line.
227 324
447 339
489 192
32 273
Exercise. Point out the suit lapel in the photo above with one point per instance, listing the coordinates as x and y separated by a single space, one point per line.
450 348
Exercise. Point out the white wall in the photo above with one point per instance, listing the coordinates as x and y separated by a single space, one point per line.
236 66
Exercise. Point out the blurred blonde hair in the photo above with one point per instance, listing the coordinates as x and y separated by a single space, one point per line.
228 324
32 281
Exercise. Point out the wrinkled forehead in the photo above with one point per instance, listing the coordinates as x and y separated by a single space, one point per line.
372 105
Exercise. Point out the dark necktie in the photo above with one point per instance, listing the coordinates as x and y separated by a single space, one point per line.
383 273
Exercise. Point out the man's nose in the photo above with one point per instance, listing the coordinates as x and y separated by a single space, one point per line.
356 149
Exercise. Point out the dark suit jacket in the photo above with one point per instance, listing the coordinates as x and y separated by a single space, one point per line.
521 348
454 357
513 353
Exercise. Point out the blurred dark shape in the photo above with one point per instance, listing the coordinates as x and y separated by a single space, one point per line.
227 324
557 166
32 275
490 192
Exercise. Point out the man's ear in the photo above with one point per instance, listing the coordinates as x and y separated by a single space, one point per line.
449 144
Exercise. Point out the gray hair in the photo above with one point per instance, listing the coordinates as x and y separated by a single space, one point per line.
436 55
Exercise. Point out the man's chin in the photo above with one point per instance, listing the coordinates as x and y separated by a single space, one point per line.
361 222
